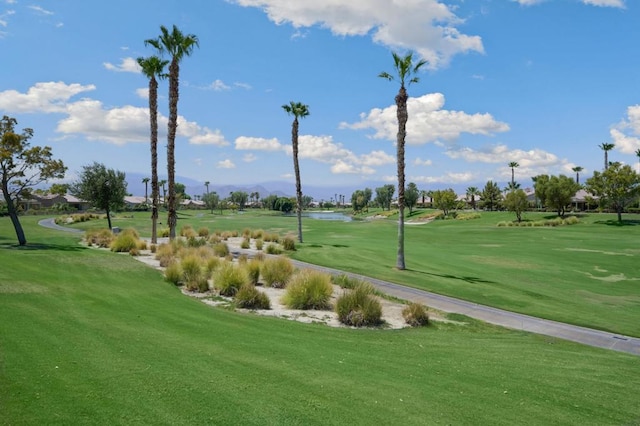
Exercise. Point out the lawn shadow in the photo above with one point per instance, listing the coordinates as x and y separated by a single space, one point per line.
612 222
470 280
41 246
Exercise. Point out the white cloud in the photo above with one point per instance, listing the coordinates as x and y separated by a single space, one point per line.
126 65
448 178
287 176
531 163
426 26
40 10
342 167
420 162
243 85
245 143
4 16
428 122
225 164
218 86
601 3
143 93
42 97
249 158
625 133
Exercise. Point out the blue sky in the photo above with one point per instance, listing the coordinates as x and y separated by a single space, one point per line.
540 82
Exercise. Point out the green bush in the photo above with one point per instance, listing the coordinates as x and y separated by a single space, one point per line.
259 244
195 241
358 308
415 315
253 270
308 289
228 279
221 249
276 272
124 242
249 297
173 273
289 243
273 249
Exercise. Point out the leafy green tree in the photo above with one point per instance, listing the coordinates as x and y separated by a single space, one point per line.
269 202
406 73
411 195
59 189
298 110
104 188
617 187
491 195
306 201
606 147
153 68
516 201
211 200
445 200
240 198
284 204
384 196
22 167
556 191
177 45
472 192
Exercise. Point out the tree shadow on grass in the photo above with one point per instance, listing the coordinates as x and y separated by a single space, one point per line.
619 224
470 280
40 246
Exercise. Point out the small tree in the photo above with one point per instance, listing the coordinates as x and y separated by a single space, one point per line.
104 188
516 202
211 200
411 195
491 195
22 167
617 186
384 195
472 192
556 191
240 198
445 200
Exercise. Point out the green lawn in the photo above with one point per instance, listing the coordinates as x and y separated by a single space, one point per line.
585 274
93 337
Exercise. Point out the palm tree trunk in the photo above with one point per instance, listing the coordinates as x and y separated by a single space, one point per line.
606 159
403 116
153 110
174 70
296 168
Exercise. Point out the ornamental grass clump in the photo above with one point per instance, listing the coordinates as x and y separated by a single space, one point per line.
193 276
415 314
259 244
308 289
221 249
124 243
289 243
173 273
246 243
187 231
165 254
228 279
249 297
276 272
273 249
99 237
358 308
253 270
203 232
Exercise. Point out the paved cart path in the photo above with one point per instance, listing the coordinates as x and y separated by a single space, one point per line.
587 336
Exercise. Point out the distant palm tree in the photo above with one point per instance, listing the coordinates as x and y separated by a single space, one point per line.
177 45
577 169
606 147
207 185
298 110
406 73
472 191
162 184
146 188
638 155
423 195
513 166
153 68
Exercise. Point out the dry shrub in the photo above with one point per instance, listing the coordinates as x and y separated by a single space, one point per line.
173 273
124 243
246 244
253 270
273 249
276 272
193 275
308 289
165 254
99 237
259 244
359 308
228 279
415 315
203 232
249 297
214 239
187 231
246 233
289 243
258 233
221 249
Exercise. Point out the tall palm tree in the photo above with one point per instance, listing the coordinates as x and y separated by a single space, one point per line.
162 184
606 147
406 73
177 45
153 68
577 169
513 166
472 191
638 155
207 185
298 110
146 188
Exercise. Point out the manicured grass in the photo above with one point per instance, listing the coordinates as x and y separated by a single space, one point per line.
95 337
584 274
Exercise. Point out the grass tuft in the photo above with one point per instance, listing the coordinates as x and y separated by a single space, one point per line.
308 289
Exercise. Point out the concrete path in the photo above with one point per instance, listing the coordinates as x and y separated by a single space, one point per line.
586 336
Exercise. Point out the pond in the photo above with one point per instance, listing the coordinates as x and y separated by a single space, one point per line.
328 215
